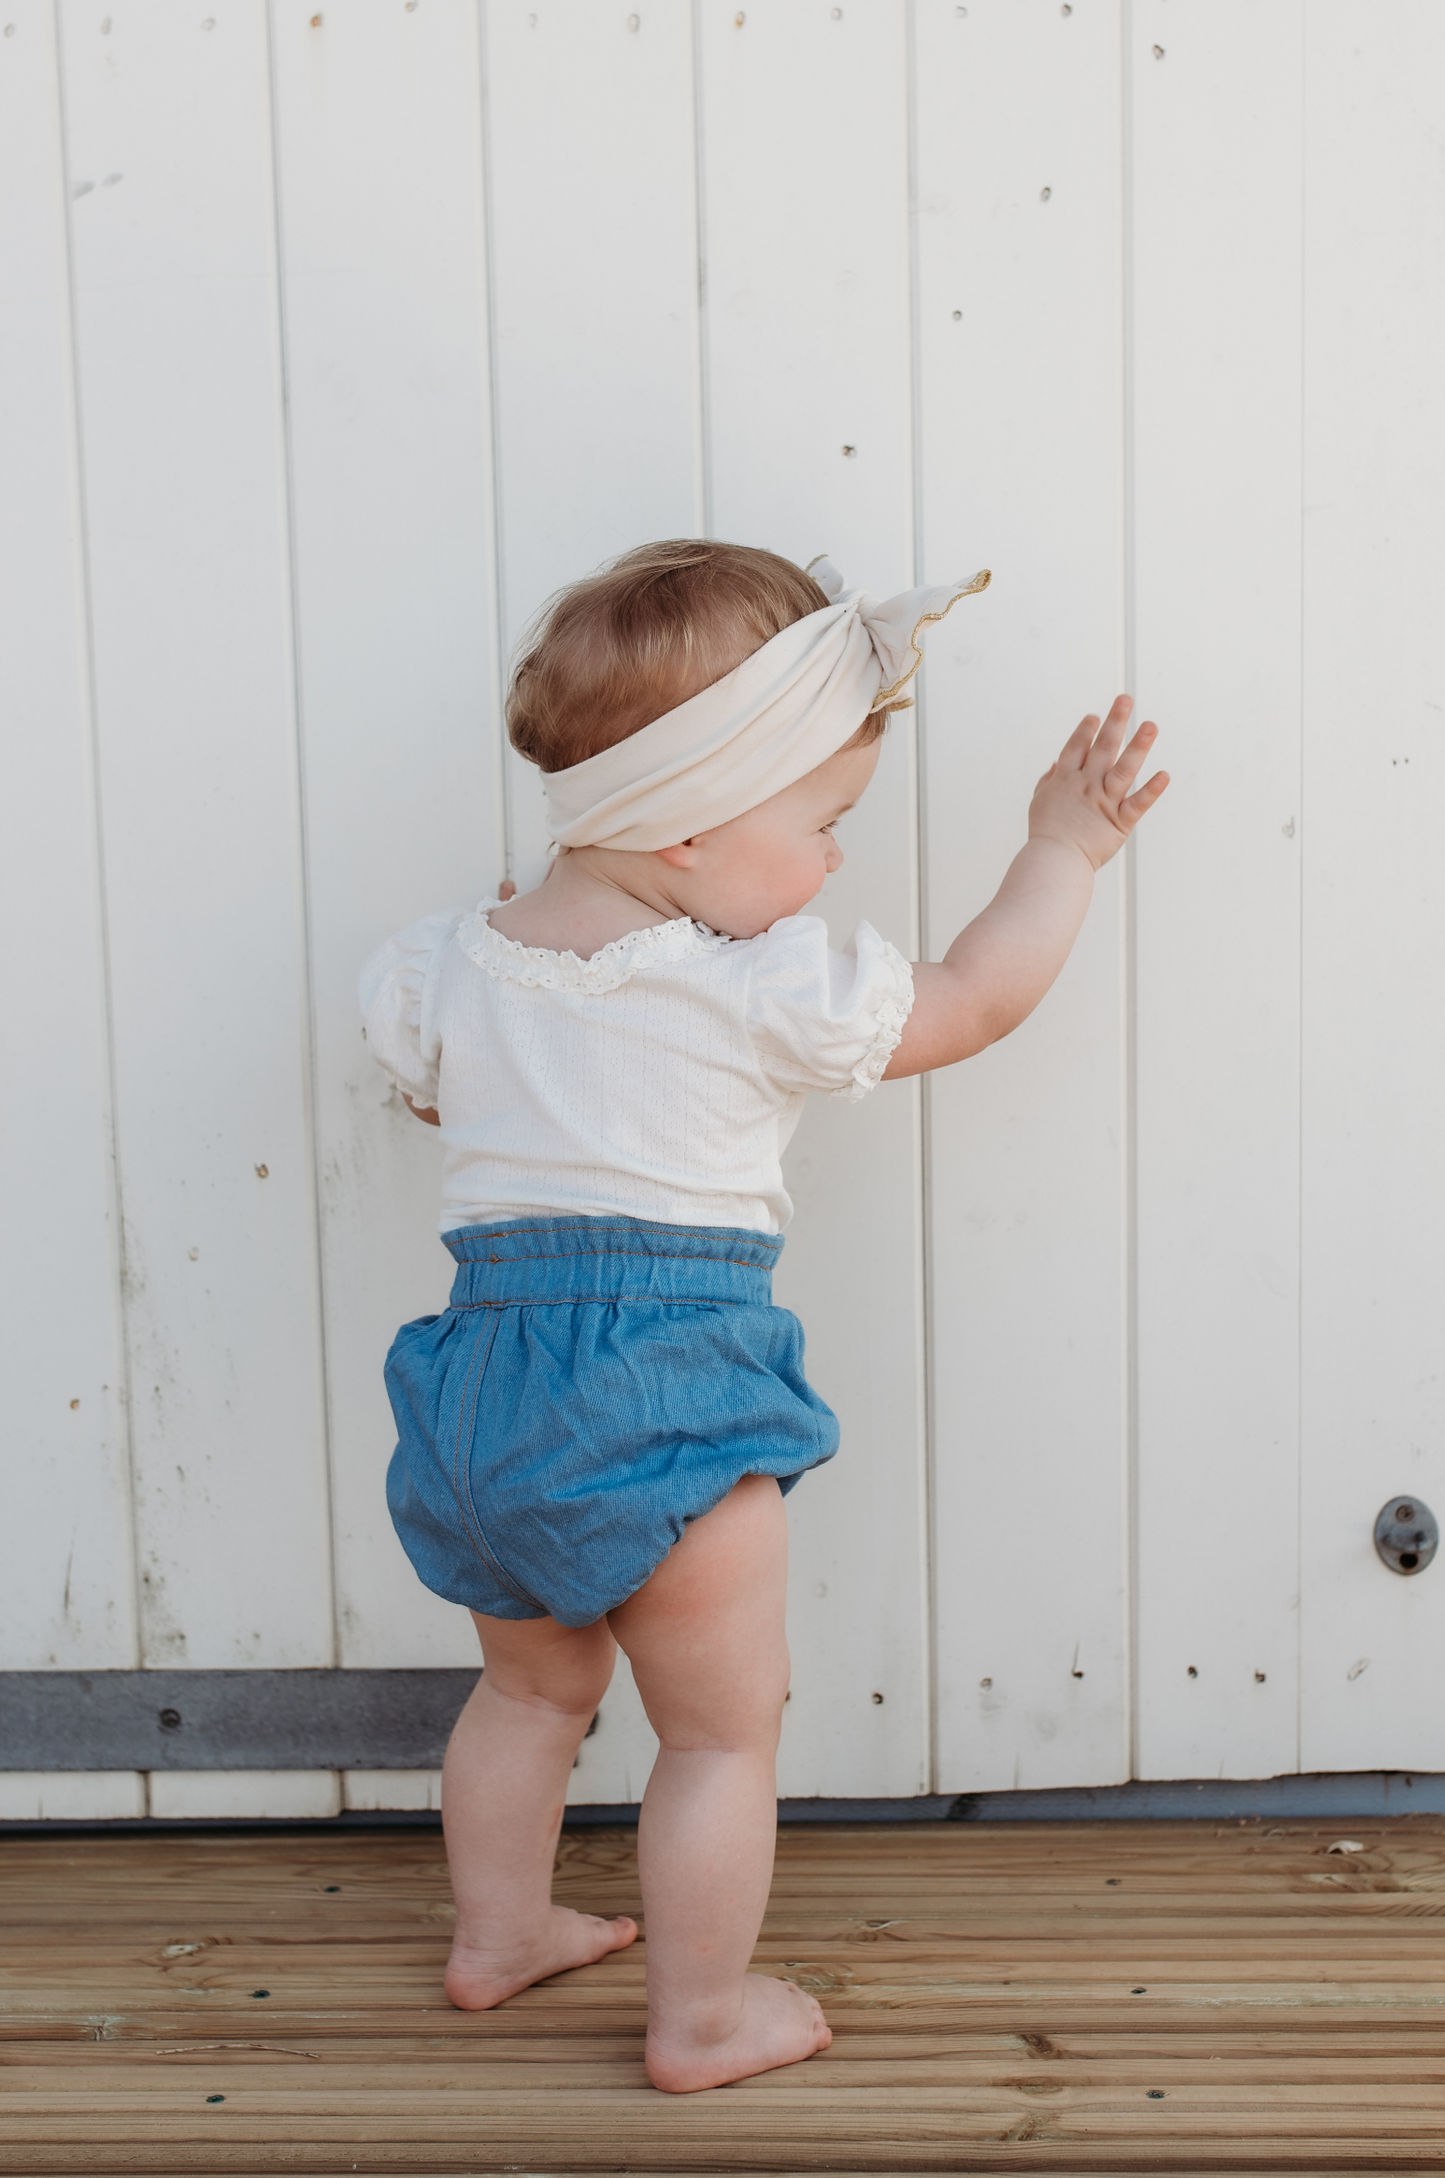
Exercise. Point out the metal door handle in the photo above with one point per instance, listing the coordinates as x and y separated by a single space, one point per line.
1407 1534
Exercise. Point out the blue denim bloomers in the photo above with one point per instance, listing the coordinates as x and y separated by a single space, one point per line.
595 1384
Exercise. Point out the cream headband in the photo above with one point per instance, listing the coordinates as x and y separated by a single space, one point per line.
770 721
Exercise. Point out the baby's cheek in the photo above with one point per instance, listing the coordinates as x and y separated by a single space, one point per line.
811 883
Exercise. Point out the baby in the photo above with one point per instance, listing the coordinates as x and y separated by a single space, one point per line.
597 1435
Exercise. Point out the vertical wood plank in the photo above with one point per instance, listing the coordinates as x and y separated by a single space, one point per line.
1020 314
67 1592
1217 243
594 287
1374 884
858 1722
594 300
805 202
383 247
170 165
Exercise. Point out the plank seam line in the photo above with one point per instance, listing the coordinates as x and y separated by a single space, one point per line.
498 597
121 1293
702 375
298 741
1129 964
928 1511
1299 1616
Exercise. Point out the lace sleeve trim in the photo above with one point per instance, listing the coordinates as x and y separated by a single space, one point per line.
406 1089
891 1018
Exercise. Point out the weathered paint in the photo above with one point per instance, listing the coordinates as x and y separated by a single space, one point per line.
342 342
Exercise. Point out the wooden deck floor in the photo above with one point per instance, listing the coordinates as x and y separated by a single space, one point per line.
1081 1998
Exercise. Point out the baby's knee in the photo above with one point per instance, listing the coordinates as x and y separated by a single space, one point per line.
740 1714
776 1692
565 1674
573 1700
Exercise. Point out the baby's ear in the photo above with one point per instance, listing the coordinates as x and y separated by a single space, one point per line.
681 857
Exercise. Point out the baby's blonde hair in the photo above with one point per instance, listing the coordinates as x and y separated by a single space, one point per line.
608 655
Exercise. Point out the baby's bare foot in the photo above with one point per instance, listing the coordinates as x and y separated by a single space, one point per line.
478 1978
780 2025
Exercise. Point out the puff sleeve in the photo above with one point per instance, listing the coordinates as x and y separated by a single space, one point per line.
825 1020
398 1005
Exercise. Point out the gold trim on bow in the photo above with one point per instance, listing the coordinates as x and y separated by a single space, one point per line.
885 700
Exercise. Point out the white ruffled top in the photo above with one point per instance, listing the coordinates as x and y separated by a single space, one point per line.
660 1079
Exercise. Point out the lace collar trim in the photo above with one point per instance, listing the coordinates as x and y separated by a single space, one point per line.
661 945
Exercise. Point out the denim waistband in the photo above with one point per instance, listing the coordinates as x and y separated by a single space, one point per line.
604 1259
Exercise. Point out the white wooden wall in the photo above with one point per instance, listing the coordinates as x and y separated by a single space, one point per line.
334 340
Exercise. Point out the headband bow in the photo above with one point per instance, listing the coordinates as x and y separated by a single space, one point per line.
774 718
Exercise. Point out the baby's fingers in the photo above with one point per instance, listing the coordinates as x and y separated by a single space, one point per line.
1139 805
1110 736
1129 763
1075 751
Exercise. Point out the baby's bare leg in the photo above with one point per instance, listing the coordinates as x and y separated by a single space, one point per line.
503 1790
706 1640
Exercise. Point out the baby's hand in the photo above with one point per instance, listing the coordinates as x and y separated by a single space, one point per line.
1084 798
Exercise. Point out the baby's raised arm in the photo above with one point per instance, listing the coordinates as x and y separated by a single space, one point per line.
996 971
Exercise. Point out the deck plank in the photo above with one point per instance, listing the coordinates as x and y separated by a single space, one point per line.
1101 1999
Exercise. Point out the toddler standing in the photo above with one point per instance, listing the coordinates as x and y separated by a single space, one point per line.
597 1435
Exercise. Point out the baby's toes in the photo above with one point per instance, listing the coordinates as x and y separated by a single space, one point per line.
614 1934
